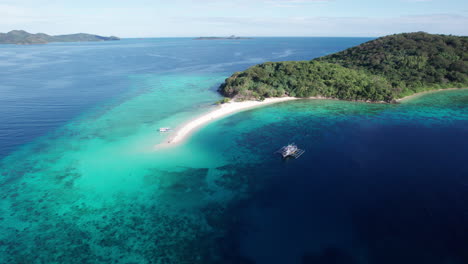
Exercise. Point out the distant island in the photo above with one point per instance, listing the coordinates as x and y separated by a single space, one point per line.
218 38
380 70
24 38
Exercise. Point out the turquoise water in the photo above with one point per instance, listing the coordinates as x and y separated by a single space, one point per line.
375 183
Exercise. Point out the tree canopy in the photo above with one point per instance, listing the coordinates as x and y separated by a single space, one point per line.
379 70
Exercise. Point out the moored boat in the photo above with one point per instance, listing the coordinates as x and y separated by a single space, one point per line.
291 150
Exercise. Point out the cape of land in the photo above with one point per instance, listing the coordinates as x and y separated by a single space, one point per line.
222 110
381 70
218 38
23 37
386 69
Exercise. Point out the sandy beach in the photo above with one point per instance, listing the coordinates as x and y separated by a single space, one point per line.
181 133
184 131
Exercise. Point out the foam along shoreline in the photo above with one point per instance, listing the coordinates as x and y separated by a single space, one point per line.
181 133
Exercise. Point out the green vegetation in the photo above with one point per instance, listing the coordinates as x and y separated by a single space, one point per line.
305 79
380 70
23 37
223 101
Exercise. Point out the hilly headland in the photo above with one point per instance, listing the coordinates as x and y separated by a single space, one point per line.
23 38
381 70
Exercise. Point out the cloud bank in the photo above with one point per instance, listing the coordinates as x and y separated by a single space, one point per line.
213 17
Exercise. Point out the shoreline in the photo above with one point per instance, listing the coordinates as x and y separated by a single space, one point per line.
181 133
399 100
184 131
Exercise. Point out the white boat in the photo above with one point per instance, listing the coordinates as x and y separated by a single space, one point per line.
164 129
291 150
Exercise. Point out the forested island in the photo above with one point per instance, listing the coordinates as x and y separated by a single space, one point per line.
383 69
23 37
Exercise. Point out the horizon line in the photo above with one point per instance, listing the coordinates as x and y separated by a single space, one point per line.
252 37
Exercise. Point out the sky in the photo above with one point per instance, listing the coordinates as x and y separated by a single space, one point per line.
191 18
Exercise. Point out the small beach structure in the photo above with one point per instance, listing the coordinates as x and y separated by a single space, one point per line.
291 150
164 129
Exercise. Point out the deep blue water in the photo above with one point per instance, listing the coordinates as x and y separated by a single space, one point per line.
383 194
377 184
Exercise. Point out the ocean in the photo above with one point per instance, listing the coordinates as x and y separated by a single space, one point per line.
81 181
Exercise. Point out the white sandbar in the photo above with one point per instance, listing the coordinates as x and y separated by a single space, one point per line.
223 110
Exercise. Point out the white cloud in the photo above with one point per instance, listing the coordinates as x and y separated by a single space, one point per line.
58 20
335 26
156 22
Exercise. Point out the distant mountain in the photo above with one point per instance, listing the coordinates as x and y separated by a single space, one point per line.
23 37
217 38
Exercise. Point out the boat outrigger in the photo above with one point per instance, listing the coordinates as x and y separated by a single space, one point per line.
291 150
165 129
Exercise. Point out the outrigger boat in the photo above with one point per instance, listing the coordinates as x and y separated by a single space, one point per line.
291 150
165 129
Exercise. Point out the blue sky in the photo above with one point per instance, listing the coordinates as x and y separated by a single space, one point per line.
185 18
